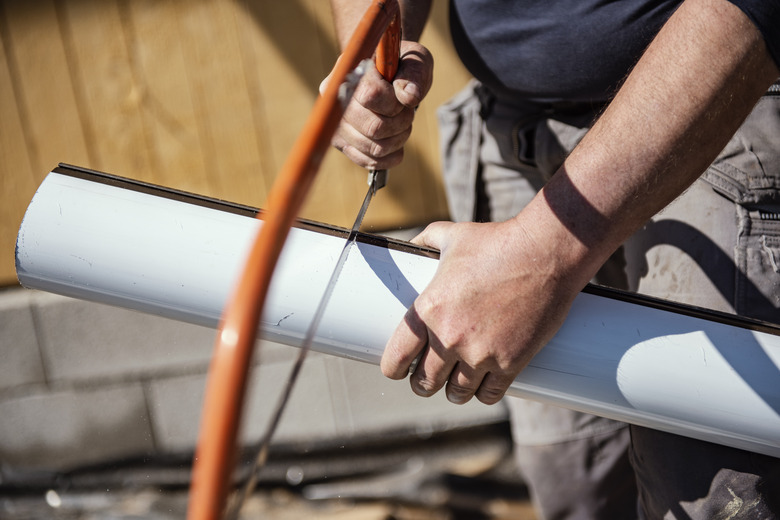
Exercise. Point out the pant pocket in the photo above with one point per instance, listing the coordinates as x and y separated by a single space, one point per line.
758 258
554 142
747 171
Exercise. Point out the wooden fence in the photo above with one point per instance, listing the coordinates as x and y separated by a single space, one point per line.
205 96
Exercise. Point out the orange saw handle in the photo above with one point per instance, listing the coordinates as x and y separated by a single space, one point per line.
388 51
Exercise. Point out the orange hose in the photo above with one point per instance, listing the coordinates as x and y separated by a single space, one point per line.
216 451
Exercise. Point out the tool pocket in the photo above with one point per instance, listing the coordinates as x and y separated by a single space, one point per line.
748 173
758 260
460 130
748 169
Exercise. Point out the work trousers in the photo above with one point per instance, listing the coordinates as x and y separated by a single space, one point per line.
717 246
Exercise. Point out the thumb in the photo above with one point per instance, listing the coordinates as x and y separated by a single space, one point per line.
324 83
434 235
415 74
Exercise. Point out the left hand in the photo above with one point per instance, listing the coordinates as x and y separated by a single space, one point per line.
496 299
378 120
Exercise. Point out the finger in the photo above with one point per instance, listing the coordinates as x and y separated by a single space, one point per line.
403 347
326 81
415 74
432 371
434 235
376 144
377 94
493 388
365 161
463 383
378 126
324 84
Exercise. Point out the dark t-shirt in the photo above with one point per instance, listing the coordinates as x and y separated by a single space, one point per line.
569 50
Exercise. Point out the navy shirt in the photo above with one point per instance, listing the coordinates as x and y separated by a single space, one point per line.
569 50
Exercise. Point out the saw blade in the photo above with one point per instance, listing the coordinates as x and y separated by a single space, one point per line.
376 179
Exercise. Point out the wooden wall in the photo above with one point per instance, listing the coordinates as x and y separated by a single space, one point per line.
205 96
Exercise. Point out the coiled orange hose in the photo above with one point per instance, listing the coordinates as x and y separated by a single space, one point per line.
216 451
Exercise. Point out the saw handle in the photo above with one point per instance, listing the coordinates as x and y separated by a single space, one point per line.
388 51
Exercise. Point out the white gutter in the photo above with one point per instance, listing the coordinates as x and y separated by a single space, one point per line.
151 249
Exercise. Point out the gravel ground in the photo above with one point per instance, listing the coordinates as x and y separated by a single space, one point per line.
278 504
460 475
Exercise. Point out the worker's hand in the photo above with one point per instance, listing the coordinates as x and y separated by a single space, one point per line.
379 118
496 299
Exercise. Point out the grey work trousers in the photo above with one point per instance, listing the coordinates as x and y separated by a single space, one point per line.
716 246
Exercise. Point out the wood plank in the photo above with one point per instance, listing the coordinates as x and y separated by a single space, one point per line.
108 96
287 45
205 96
248 40
17 182
341 186
55 123
46 103
163 93
221 102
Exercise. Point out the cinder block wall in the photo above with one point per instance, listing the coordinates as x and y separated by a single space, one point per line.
83 383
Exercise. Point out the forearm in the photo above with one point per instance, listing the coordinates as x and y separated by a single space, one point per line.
678 108
347 13
502 290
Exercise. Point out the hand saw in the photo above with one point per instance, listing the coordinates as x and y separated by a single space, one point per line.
387 56
229 368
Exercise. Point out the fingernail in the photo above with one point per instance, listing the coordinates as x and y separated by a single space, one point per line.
458 398
414 364
413 90
421 390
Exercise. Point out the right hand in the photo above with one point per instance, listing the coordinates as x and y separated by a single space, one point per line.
497 298
378 119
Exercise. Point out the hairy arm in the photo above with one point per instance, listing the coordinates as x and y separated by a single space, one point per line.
684 100
347 13
503 289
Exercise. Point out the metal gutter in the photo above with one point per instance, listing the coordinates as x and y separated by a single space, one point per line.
676 368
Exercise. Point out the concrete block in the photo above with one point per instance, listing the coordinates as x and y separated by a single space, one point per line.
333 398
83 340
176 404
372 403
55 431
309 413
21 358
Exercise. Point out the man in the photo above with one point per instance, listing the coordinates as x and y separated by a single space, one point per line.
503 288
